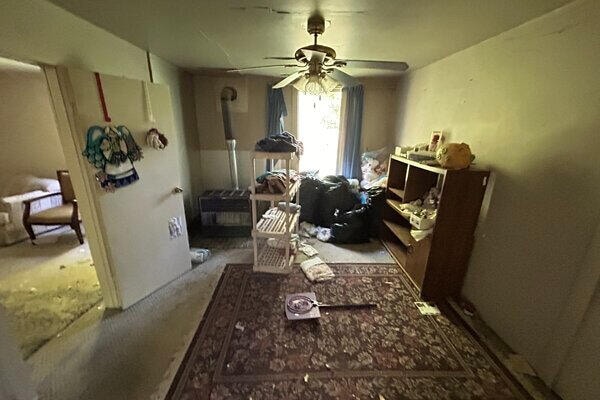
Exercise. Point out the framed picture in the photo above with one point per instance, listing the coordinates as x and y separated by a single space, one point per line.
437 138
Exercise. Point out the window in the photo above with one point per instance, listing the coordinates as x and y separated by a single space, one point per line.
319 131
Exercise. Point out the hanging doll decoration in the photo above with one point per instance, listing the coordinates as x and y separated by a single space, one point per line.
112 150
154 138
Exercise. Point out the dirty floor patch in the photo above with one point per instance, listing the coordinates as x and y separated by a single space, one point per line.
42 301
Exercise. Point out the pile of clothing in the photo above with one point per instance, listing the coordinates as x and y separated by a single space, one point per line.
275 181
283 143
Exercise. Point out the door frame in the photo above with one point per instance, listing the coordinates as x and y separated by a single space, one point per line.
62 99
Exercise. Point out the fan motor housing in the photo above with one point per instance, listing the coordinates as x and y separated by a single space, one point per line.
316 24
329 53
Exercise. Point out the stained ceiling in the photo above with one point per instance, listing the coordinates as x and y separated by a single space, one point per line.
202 34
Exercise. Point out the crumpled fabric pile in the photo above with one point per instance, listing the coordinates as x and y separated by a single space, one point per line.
275 181
283 143
307 230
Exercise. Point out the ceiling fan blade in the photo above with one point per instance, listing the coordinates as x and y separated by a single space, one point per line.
279 58
290 79
313 54
343 78
264 66
389 65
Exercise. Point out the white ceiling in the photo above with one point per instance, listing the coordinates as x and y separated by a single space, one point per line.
199 34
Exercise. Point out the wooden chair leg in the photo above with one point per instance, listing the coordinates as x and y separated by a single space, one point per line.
30 232
77 228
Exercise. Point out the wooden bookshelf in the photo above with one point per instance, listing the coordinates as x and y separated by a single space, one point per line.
437 264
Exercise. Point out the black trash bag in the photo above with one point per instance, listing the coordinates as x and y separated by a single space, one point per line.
310 192
351 226
376 201
337 197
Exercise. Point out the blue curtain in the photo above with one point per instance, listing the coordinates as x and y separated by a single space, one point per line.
276 110
354 111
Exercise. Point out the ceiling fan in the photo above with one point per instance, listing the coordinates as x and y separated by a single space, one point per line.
319 70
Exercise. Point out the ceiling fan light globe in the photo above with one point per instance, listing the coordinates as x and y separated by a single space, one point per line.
330 84
314 85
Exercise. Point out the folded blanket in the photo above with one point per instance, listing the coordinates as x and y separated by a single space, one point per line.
316 270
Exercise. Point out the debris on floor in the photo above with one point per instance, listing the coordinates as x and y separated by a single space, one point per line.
239 326
426 308
468 308
323 234
316 270
308 250
306 378
307 229
199 255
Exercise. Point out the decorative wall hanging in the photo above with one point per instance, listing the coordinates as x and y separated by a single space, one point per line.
156 139
113 151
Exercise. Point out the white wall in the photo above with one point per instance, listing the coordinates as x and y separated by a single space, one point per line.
38 31
182 98
527 102
577 377
379 113
28 134
249 123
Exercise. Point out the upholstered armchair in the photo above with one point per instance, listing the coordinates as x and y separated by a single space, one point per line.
66 213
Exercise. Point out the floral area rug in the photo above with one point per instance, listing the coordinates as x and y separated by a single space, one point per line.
245 348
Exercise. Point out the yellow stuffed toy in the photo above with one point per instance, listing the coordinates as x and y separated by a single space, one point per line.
454 155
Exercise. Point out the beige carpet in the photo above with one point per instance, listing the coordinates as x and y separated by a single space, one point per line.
43 298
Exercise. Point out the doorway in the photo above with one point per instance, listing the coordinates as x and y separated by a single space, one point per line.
319 131
46 285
